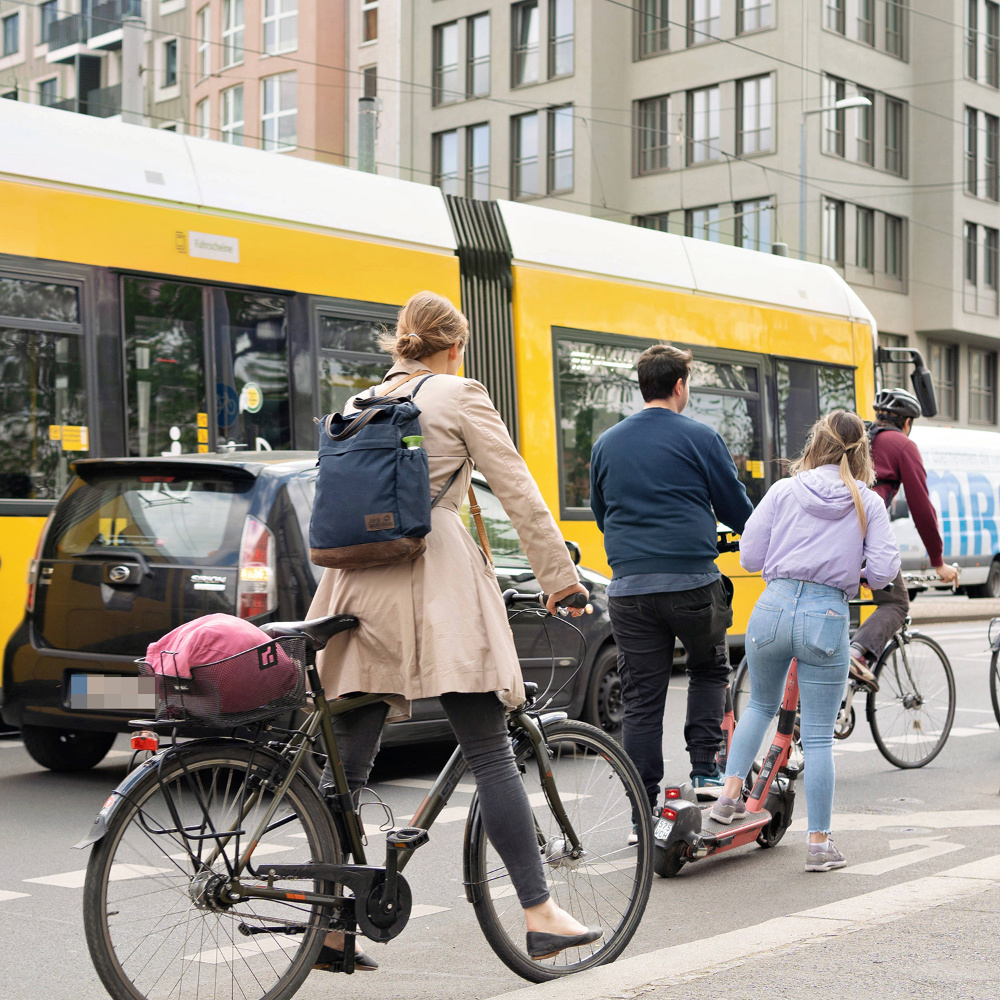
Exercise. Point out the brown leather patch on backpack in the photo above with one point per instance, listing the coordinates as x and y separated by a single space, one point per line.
379 522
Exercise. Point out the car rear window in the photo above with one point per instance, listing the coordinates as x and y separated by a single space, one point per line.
167 518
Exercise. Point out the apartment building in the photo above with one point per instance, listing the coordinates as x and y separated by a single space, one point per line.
706 117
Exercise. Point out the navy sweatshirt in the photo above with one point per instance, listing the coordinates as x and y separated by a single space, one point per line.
655 480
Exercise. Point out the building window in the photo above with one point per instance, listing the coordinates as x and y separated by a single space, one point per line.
864 239
204 43
232 115
866 21
895 247
992 47
895 28
279 115
369 81
971 253
754 221
652 135
446 64
991 260
982 386
652 27
446 161
48 92
170 63
702 223
9 95
972 40
833 231
833 121
369 20
752 15
895 132
753 114
525 38
942 359
525 159
835 15
865 129
991 155
560 37
11 34
703 21
232 33
560 165
49 12
201 112
893 372
703 125
477 162
971 150
478 48
660 221
281 26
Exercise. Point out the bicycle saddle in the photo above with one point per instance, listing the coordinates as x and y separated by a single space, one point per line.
319 631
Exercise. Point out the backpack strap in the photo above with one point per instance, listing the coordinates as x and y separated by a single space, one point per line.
476 511
448 485
409 378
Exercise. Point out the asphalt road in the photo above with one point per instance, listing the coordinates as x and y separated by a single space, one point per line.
900 830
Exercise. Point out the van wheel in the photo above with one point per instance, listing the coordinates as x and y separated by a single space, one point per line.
604 707
992 586
66 749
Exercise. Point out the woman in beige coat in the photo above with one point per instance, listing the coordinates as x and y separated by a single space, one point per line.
437 626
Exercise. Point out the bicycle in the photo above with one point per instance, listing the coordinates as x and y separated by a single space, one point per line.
911 714
217 867
994 638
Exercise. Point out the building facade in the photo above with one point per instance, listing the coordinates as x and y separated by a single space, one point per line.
703 117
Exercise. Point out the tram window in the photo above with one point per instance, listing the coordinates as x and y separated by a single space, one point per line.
350 358
41 396
597 387
39 300
805 391
339 333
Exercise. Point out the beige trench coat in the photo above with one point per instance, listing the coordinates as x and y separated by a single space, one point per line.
438 624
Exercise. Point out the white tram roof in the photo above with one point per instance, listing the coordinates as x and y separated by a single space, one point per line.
571 242
153 164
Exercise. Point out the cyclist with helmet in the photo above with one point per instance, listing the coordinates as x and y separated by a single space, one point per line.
897 463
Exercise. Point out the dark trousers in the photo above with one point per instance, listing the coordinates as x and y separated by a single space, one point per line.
645 627
891 608
480 723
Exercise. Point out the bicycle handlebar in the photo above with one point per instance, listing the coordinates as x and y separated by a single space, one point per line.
511 597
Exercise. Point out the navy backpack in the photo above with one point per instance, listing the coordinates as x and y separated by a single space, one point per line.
373 495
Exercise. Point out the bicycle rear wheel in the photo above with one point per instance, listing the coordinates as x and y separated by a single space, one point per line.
995 684
609 885
912 712
157 920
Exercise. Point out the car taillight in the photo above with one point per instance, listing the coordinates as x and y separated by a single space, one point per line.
34 566
256 591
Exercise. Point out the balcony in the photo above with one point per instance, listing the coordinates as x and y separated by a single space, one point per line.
65 38
101 28
104 102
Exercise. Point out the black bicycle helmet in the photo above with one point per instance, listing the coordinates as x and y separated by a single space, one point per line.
898 402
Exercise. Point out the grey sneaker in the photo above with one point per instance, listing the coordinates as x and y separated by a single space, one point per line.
726 809
824 858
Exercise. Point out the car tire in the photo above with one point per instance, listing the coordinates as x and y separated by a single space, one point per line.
604 707
992 586
66 749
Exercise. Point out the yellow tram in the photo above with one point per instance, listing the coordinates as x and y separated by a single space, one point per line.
163 294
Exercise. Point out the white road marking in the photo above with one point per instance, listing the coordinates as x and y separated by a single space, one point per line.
241 952
118 873
4 744
258 852
5 895
931 847
806 927
944 820
454 814
425 910
425 784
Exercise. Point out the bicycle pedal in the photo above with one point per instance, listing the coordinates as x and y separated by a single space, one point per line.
407 838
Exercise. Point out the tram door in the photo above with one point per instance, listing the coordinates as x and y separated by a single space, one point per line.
206 368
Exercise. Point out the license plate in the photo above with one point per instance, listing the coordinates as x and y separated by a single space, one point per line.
662 829
111 693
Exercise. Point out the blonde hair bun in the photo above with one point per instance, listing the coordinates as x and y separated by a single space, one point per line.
426 325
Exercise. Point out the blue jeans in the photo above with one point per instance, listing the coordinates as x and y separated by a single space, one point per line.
808 621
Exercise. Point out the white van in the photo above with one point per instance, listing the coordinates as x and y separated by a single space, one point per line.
963 479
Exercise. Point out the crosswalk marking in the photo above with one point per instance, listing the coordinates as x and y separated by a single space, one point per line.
118 873
423 783
5 895
426 910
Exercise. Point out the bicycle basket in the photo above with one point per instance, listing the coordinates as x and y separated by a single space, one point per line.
257 684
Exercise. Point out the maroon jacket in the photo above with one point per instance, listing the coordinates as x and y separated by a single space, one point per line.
897 462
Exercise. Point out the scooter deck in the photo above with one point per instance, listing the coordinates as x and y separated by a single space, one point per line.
740 831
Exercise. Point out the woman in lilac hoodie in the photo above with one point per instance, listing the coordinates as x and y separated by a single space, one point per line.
809 536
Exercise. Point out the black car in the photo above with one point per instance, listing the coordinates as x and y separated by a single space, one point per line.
138 546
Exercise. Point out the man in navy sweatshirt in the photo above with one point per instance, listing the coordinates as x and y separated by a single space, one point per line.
659 481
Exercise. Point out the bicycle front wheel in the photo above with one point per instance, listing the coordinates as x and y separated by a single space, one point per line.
608 885
158 921
912 712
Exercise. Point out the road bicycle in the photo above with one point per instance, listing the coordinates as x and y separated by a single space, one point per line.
217 868
911 714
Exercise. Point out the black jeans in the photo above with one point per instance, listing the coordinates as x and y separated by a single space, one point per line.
480 724
645 627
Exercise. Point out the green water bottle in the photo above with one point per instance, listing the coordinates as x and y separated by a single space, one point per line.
412 441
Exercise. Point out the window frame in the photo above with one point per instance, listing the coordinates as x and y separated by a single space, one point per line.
944 387
474 62
438 177
894 157
983 393
440 95
14 18
275 19
522 54
645 12
234 132
203 33
709 223
552 154
759 7
369 21
233 32
203 118
170 67
693 143
518 161
835 16
280 113
554 40
836 207
471 180
766 204
761 105
44 100
644 153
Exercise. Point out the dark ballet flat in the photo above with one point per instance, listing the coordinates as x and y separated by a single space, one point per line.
332 960
541 945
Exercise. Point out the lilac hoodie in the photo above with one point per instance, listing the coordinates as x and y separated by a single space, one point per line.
806 528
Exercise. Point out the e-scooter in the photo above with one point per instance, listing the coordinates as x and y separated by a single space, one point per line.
683 831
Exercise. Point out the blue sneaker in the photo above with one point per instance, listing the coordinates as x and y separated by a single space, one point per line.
708 786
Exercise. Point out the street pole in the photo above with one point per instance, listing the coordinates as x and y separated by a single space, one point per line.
133 96
802 187
366 134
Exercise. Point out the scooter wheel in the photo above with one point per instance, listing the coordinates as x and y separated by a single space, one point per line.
670 859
